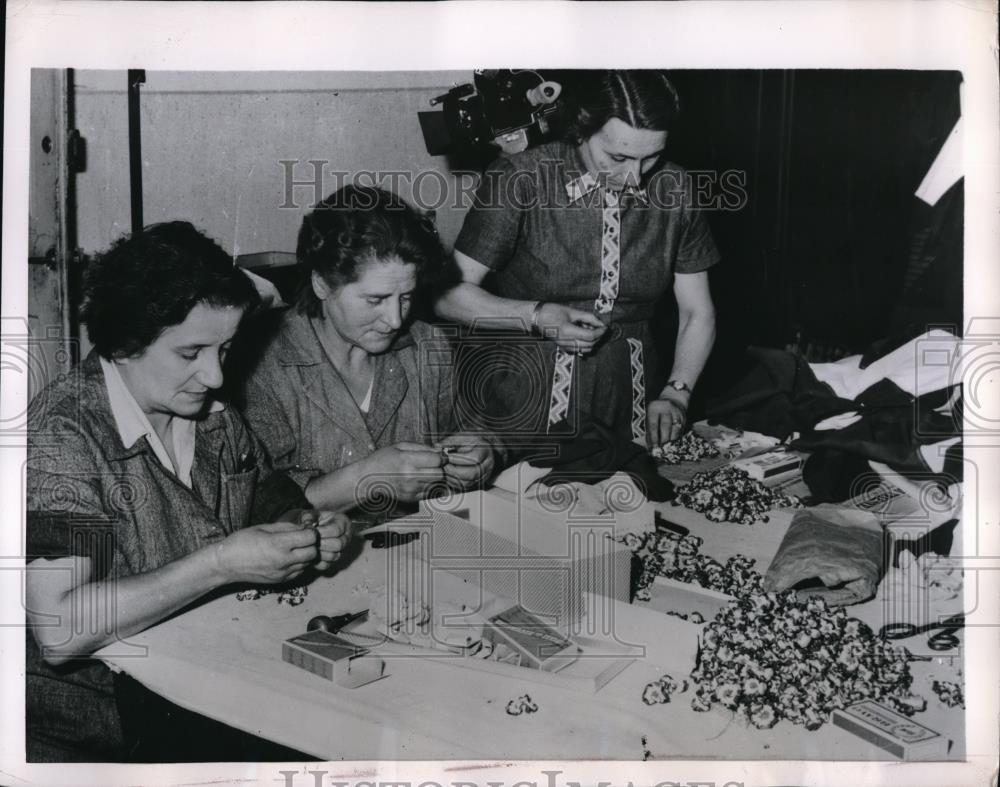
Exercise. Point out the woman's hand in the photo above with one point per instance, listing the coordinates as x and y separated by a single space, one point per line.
409 468
576 331
665 419
469 461
334 530
267 554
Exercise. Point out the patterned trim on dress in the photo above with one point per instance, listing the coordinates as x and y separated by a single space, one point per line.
638 389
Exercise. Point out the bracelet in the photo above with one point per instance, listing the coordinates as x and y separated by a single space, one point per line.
534 317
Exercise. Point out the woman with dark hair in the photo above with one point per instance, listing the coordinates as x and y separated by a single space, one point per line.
144 492
352 398
583 236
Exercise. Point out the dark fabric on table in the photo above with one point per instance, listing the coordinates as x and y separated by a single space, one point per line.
595 455
882 347
778 394
835 476
893 427
829 552
937 541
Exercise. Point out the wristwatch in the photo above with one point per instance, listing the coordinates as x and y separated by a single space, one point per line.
677 385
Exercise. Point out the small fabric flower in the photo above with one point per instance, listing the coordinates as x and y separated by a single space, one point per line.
764 717
654 694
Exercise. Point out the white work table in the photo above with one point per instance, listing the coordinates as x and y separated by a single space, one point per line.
222 658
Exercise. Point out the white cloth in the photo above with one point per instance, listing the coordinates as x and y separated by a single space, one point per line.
133 425
920 366
937 504
366 403
934 453
946 169
839 421
269 296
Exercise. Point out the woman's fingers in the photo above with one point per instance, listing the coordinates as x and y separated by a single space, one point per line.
333 524
276 528
581 333
419 457
304 554
466 473
293 570
582 318
336 544
416 447
471 458
665 421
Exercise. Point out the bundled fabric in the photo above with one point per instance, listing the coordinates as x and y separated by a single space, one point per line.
777 395
831 552
595 454
895 405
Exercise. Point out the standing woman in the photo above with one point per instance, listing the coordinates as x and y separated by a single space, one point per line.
583 237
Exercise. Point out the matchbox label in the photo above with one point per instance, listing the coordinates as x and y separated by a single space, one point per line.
890 723
877 498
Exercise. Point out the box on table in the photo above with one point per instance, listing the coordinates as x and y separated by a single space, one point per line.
770 465
897 734
333 658
670 595
514 548
518 646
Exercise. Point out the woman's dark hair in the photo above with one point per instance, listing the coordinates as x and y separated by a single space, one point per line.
644 99
151 280
358 224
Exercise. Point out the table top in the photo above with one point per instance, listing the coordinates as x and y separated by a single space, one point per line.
222 658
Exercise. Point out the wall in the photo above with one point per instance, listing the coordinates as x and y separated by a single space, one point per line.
212 143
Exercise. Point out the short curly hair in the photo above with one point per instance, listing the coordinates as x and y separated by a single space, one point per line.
151 280
356 225
645 99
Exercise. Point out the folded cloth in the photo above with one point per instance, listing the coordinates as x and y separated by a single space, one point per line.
776 395
594 455
831 552
834 476
914 365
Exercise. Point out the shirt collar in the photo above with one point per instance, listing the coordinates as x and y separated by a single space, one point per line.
130 420
133 425
300 345
579 187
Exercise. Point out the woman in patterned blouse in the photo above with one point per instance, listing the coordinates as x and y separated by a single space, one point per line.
583 236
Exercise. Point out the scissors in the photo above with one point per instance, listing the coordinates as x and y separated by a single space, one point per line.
943 640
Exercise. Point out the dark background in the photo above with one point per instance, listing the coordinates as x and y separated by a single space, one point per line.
833 250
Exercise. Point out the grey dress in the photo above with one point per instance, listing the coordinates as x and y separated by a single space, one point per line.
549 233
89 495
